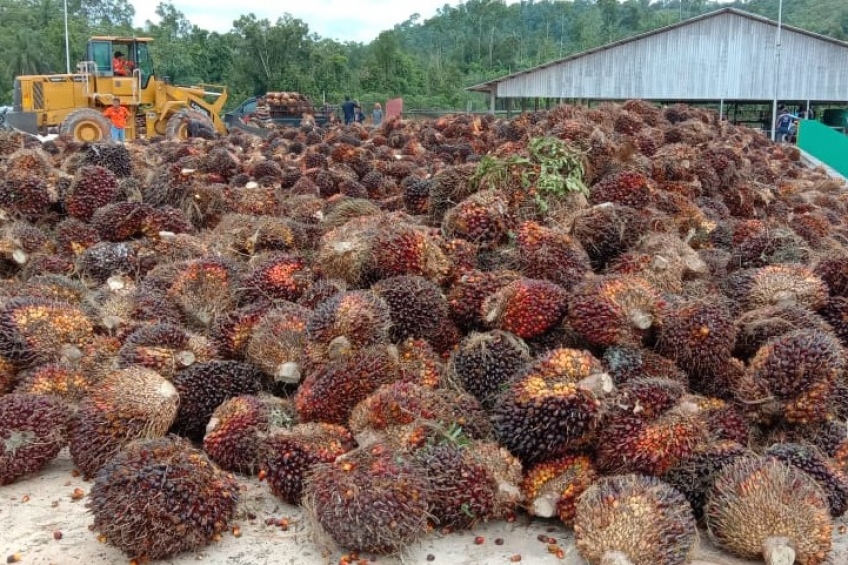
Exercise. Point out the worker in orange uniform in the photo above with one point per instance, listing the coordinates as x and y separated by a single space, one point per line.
117 116
120 66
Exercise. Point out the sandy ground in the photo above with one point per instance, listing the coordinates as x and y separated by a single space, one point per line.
32 509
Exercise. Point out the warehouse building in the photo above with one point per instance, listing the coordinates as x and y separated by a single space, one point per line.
728 57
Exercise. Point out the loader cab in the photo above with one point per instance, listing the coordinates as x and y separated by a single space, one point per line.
101 52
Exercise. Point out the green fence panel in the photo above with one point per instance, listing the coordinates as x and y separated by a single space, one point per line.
826 144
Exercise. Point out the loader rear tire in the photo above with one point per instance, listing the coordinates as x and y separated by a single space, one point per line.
86 125
177 130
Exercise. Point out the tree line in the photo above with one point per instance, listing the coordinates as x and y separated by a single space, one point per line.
427 61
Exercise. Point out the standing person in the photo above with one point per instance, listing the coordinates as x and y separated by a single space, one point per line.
358 116
348 109
117 116
377 114
784 120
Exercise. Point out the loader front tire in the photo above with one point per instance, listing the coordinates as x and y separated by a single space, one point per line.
177 130
86 125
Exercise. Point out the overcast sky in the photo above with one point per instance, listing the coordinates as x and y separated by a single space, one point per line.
343 20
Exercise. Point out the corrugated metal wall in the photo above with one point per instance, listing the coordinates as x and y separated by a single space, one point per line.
727 56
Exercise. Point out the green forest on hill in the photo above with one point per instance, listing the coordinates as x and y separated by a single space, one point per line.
428 62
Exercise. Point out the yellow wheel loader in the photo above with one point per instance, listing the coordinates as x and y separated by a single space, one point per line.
73 104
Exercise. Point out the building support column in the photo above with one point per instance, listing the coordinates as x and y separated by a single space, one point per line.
721 110
774 121
492 101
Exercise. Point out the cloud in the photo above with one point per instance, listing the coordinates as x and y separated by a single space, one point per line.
342 20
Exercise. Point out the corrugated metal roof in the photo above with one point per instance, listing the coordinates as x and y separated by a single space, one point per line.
727 54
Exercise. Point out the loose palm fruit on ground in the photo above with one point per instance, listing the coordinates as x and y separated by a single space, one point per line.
401 248
360 316
553 487
204 289
793 377
277 341
280 276
402 403
35 330
157 498
165 348
552 407
417 308
286 456
468 292
462 491
486 363
776 285
761 508
694 475
330 392
757 327
205 386
370 500
33 429
809 460
627 363
615 310
608 230
547 254
697 335
648 428
527 307
239 424
637 520
128 404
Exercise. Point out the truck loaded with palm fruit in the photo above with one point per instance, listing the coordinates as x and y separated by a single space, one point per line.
286 109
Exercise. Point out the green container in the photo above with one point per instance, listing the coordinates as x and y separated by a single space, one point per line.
825 144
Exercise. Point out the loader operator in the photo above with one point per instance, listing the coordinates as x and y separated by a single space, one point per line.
120 66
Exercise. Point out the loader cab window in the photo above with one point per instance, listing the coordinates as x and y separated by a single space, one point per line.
141 56
101 53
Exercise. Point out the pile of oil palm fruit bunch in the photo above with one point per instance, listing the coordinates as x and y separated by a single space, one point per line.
628 318
289 103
